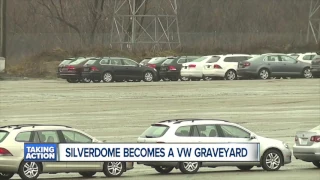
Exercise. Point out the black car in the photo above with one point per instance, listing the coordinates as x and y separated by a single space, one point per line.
64 63
109 69
155 63
170 68
73 71
315 66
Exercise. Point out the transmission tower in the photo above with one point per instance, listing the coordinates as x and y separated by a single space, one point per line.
314 21
145 24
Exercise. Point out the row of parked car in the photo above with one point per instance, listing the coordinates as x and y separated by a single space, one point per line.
273 153
194 68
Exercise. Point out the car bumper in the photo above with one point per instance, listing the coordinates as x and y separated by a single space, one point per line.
214 73
246 73
169 74
66 75
307 153
91 75
9 164
191 74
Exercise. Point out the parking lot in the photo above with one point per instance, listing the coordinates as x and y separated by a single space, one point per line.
120 112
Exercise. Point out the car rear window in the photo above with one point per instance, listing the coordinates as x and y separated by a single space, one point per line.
168 61
65 62
157 60
200 59
155 131
78 61
3 135
90 62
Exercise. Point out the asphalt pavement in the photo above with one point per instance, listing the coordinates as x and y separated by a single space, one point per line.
120 112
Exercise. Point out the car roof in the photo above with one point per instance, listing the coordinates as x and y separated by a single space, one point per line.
29 127
191 121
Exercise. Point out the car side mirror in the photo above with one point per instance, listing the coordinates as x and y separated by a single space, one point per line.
252 136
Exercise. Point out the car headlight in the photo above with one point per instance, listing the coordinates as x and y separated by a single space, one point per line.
285 145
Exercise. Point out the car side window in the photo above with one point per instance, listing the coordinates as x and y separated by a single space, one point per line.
116 62
48 136
183 131
105 62
207 130
24 137
128 62
75 137
181 61
288 59
272 59
234 132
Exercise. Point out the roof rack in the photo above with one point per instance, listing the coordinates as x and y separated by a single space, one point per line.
177 121
18 126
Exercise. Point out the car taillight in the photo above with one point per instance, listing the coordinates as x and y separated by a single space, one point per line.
172 68
93 68
152 66
246 64
71 68
4 152
315 139
192 65
216 66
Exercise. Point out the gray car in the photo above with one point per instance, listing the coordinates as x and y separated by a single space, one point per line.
307 146
266 66
315 66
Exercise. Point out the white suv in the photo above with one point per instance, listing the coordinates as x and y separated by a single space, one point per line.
274 153
224 66
13 137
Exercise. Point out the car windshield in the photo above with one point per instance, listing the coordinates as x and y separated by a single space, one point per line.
155 131
90 62
3 135
168 61
65 62
316 128
78 61
200 59
157 60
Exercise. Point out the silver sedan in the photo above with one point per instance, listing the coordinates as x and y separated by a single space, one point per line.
307 146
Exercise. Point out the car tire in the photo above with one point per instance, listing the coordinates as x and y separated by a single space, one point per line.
189 167
244 168
85 80
184 79
271 160
113 169
306 73
316 163
163 169
148 76
107 77
87 174
71 80
26 167
6 176
231 75
264 73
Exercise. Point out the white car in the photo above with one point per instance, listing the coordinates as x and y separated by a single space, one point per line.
13 137
193 69
304 57
225 66
273 153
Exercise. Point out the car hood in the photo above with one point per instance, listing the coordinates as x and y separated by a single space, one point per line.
270 141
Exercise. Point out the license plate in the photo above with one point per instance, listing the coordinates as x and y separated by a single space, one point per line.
86 69
163 68
186 67
304 141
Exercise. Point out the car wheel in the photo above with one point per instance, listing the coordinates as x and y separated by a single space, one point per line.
29 170
230 75
71 80
148 76
113 169
87 174
189 167
163 169
244 168
264 74
184 79
271 160
85 80
316 163
306 73
107 77
6 176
